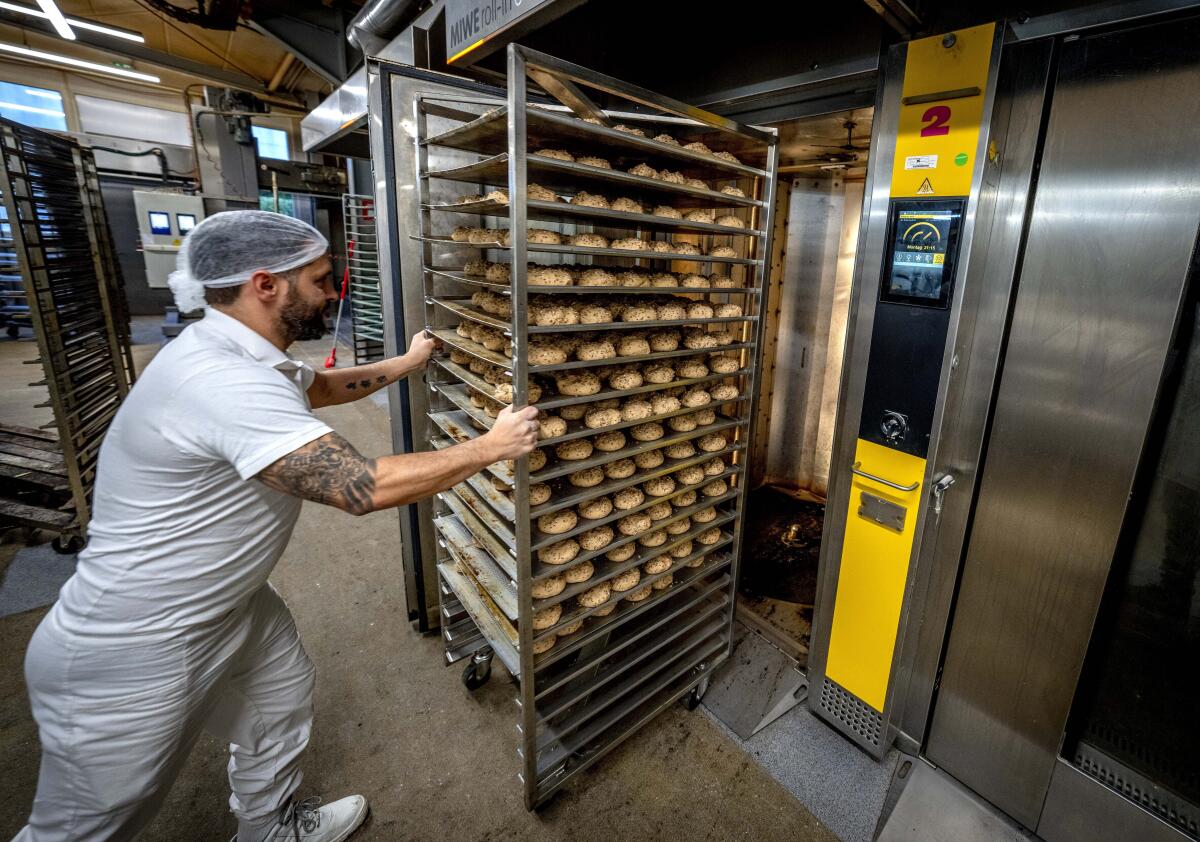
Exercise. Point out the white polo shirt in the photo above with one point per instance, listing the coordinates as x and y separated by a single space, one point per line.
181 532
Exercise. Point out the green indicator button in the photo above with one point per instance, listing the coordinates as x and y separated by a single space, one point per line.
961 159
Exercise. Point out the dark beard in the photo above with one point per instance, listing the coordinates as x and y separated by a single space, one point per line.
298 321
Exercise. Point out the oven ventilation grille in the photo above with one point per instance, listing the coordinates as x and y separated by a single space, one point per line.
1138 789
857 716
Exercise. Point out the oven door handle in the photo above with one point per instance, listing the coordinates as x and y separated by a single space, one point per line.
860 473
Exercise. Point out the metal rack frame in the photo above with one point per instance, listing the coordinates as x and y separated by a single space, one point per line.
591 690
366 303
50 197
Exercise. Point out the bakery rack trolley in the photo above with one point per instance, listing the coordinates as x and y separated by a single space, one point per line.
582 693
366 307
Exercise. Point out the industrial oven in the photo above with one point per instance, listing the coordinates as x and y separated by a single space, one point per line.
970 369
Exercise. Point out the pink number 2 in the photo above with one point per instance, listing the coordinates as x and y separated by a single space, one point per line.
938 119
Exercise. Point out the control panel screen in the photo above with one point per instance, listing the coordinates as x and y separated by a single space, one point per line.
924 244
160 222
185 221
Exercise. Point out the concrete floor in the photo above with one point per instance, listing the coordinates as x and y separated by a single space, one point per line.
395 725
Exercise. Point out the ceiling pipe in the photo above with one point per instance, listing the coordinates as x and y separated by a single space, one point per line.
378 22
280 71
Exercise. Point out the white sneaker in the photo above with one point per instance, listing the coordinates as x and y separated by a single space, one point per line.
309 821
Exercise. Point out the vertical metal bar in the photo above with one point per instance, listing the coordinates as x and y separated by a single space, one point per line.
518 234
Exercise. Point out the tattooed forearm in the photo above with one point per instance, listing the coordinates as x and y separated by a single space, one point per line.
330 471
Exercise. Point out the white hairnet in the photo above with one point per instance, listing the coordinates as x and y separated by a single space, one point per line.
227 248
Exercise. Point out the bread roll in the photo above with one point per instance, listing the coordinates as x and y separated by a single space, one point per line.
681 550
559 553
653 539
659 486
547 617
552 586
621 553
640 594
634 524
663 583
709 536
596 277
650 431
690 475
593 161
656 565
628 498
660 510
574 450
596 538
540 647
705 515
626 580
596 508
595 596
587 478
559 154
580 572
649 460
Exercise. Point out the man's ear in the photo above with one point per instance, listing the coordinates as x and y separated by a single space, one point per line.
265 286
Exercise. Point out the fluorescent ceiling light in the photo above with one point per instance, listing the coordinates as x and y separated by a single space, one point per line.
54 95
52 13
75 62
32 109
78 23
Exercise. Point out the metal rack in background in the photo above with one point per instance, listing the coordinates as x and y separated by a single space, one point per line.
591 685
55 234
366 306
14 309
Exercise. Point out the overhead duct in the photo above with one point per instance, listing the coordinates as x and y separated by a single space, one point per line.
377 22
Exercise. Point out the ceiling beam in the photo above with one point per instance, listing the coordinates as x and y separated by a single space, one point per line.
897 15
140 52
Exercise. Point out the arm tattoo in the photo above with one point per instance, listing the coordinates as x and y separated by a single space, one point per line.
329 470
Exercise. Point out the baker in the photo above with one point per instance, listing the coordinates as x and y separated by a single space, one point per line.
169 626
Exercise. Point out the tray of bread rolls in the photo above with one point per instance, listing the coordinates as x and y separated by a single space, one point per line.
601 566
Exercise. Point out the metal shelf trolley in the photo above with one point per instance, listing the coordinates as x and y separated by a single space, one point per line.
366 307
608 267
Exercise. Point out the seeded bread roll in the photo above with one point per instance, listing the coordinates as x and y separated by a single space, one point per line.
683 500
700 310
724 337
559 154
551 426
671 176
636 410
537 460
690 475
539 493
715 488
666 138
626 580
593 161
640 594
596 349
681 550
724 363
709 536
541 194
594 241
659 372
697 146
681 450
729 190
621 553
460 234
620 469
649 460
630 244
705 515
724 392
663 279
667 211
714 467
552 586
546 353
558 522
697 339
728 311
644 170
483 236
500 273
587 478
574 450
663 583
673 308
678 527
570 628
726 156
680 247
559 553
699 215
627 205
650 431
659 510
632 278
598 418
544 236
653 539
475 268
639 313
628 498
609 442
460 357
589 200
596 538
550 276
634 524
621 127
594 314
596 277
595 596
659 486
660 246
596 508
694 282
626 378
722 251
704 417
547 617
682 423
605 611
573 412
696 398
656 565
541 647
580 572
730 221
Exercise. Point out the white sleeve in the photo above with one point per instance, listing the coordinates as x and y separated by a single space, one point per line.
249 415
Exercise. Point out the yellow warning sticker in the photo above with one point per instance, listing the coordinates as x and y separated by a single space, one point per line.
945 79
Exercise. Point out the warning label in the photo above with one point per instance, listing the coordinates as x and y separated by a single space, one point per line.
920 162
925 189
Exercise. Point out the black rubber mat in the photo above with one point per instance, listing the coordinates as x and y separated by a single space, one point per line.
775 564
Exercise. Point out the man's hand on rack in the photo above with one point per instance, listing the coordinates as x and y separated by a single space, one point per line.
342 385
514 434
419 351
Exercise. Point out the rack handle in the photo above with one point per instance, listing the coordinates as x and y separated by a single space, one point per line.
855 470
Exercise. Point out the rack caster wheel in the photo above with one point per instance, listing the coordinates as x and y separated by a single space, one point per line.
692 700
70 546
477 672
13 331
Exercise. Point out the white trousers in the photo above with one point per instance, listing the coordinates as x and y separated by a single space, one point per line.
118 719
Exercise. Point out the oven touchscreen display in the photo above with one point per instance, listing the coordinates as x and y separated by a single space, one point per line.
924 243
